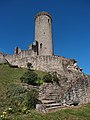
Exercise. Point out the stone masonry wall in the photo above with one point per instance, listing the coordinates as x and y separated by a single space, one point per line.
45 63
68 91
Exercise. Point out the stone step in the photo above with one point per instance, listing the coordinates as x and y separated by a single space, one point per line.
53 104
48 98
48 107
47 101
54 107
53 94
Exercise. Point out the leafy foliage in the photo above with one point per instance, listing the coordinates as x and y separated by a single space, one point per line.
16 96
29 77
51 77
20 99
47 78
29 66
54 77
32 98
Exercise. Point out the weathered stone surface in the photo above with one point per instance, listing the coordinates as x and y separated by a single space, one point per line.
2 58
43 33
41 108
71 90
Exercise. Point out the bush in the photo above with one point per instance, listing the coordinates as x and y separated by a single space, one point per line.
54 77
20 99
29 77
47 78
51 77
16 96
29 66
32 98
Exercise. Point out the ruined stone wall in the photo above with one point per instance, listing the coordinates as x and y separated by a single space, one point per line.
68 91
2 59
15 58
45 63
1 55
79 91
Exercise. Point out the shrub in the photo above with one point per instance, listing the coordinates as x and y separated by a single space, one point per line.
54 77
47 78
39 81
15 98
20 99
32 98
29 66
29 77
51 77
10 110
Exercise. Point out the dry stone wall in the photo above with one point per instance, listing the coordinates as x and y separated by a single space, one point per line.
45 63
68 91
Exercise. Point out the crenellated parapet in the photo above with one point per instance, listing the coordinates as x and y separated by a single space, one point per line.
43 13
44 63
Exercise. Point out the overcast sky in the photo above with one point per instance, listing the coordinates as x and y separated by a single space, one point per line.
71 26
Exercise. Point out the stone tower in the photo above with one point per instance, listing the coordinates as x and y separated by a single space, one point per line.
43 33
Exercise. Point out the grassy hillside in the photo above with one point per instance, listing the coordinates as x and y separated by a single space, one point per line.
8 77
82 113
13 95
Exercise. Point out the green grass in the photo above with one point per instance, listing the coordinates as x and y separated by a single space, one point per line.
11 91
81 113
9 75
40 73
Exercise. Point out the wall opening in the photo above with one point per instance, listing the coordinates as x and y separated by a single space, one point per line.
16 50
35 47
41 46
48 20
